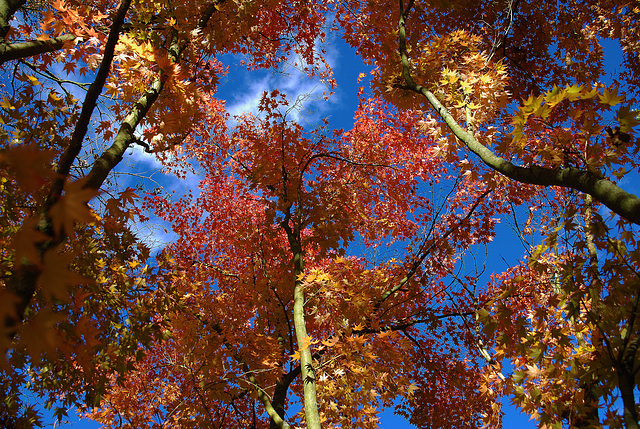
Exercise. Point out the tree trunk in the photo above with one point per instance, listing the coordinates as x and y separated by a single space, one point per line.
626 384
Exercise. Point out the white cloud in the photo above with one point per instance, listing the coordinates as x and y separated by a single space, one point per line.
306 95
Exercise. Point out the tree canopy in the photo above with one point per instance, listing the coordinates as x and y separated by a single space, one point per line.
318 276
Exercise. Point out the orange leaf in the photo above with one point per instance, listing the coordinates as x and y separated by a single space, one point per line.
38 335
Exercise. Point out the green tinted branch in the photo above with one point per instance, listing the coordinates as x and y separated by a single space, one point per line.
608 193
15 51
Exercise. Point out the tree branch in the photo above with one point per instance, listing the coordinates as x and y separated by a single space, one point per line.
262 395
70 153
20 50
22 282
112 156
7 9
424 253
615 198
306 360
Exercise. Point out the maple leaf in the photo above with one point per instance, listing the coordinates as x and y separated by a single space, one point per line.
72 207
69 67
128 197
38 334
627 118
59 5
296 356
611 97
307 342
369 187
30 164
56 277
25 242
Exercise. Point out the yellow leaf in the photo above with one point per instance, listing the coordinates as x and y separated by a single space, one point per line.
611 97
627 119
7 104
307 342
555 96
34 81
573 92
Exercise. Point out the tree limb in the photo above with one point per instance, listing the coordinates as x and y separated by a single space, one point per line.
424 253
7 9
262 395
22 282
70 153
20 50
608 193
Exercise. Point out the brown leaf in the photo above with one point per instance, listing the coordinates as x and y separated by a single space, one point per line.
72 207
31 165
38 335
56 278
24 242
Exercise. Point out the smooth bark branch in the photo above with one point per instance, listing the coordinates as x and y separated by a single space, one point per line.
307 370
615 198
70 153
20 50
112 156
7 9
280 394
626 384
264 398
262 395
306 360
22 281
275 417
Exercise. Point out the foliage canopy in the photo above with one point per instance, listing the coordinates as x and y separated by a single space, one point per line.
320 275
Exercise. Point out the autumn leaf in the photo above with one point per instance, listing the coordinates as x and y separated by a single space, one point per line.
296 356
31 165
38 334
379 219
71 208
627 118
25 241
57 278
127 197
611 97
